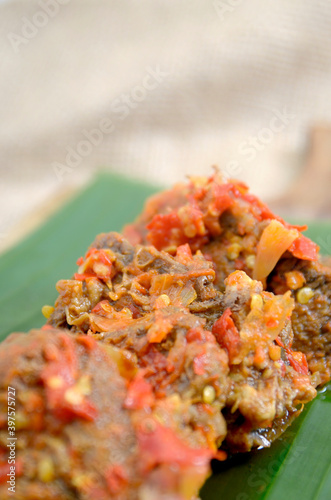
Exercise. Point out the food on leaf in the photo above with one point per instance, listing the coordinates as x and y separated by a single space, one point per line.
241 233
162 352
216 351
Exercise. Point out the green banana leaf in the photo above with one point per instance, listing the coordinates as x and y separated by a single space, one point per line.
297 466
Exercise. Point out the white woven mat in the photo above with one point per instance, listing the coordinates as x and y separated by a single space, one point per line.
157 90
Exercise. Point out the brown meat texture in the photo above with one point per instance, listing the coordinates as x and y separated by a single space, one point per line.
88 424
267 387
68 444
225 222
166 311
140 280
311 321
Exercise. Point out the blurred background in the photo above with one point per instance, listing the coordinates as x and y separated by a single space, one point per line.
157 90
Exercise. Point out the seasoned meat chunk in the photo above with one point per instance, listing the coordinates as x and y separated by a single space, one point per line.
236 231
310 284
89 425
110 286
75 439
269 380
222 354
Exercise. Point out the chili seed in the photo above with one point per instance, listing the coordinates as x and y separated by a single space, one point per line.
208 394
47 311
233 251
250 261
46 470
304 295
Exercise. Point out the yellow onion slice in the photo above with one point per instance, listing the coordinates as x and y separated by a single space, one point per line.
275 240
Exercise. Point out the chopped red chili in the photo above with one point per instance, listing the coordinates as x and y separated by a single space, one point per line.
227 334
304 248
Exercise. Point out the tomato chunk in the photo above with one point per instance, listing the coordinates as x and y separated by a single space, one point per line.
227 334
304 248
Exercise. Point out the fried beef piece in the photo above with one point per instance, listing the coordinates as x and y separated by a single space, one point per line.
269 381
236 231
214 352
180 360
74 437
111 285
310 283
260 385
80 295
88 424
